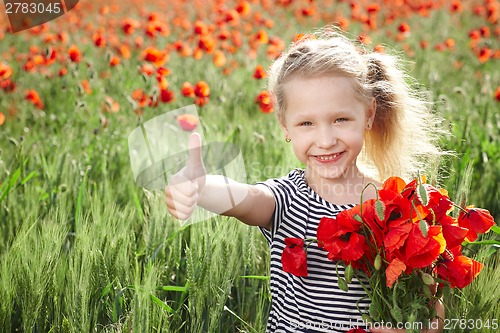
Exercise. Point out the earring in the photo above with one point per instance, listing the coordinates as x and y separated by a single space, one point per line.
288 139
369 126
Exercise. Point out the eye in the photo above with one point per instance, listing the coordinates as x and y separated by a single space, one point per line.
305 123
341 120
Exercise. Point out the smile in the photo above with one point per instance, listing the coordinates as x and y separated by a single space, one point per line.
327 158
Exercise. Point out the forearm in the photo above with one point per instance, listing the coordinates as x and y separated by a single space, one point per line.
223 195
250 204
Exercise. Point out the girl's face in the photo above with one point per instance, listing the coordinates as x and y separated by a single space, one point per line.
326 124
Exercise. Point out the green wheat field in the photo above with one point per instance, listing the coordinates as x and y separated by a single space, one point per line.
84 249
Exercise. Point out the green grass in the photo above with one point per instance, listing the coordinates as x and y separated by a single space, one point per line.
83 249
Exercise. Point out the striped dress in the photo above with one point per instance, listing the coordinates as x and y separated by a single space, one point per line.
313 303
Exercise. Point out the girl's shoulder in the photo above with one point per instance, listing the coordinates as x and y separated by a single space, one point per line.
295 178
287 186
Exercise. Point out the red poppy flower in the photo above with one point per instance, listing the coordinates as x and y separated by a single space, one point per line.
187 90
294 258
261 37
259 72
421 251
477 220
201 89
393 272
243 8
452 232
99 39
2 118
339 236
396 209
147 69
166 95
404 28
129 25
200 28
187 122
219 58
5 71
206 43
155 56
114 61
74 54
33 97
265 102
141 98
497 94
201 101
459 271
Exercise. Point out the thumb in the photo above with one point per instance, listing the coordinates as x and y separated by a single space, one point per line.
195 166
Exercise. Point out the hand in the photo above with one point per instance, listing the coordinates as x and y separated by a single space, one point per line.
184 188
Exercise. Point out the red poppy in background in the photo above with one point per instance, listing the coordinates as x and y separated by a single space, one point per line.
219 58
74 54
201 89
129 25
261 37
114 61
141 98
259 72
166 95
294 258
158 57
5 71
477 220
265 102
33 97
187 90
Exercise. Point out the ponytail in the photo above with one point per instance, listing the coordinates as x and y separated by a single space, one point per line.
405 134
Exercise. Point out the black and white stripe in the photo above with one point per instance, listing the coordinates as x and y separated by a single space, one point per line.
313 303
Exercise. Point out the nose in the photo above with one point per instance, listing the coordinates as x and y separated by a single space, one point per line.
325 137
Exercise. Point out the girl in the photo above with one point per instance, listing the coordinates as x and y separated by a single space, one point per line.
351 119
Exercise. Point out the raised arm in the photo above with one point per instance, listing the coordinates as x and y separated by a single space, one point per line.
191 186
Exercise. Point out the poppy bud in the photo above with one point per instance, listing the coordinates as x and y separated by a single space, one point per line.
397 314
366 318
428 279
342 284
412 318
377 262
349 271
426 291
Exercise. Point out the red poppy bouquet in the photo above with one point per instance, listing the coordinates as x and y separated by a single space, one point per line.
400 246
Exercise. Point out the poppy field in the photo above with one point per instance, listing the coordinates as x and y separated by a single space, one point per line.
84 249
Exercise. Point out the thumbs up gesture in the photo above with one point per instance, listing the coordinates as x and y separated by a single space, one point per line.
184 188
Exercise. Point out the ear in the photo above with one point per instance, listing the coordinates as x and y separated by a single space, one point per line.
283 125
371 112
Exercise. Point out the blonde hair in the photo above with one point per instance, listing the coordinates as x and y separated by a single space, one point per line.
405 133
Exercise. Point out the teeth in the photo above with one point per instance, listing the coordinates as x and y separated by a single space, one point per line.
328 158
